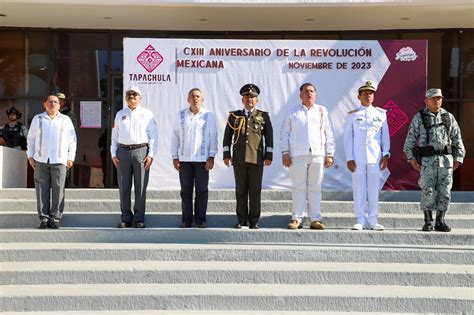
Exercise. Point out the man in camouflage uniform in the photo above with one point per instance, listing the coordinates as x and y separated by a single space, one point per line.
439 152
244 136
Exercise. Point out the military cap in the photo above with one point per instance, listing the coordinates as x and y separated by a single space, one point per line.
433 93
61 96
133 89
368 86
250 89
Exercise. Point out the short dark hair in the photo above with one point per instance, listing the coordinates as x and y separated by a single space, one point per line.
194 90
305 85
47 96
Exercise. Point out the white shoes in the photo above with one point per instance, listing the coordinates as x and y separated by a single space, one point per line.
358 227
376 227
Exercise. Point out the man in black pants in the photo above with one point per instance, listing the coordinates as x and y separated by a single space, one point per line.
249 136
193 147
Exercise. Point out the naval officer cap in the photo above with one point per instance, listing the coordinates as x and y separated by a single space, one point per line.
368 86
133 89
250 89
433 93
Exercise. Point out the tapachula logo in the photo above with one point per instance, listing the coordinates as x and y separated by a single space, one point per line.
150 58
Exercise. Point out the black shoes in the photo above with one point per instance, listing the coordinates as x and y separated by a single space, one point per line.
254 226
428 221
53 224
440 225
202 225
139 225
48 224
186 225
240 225
123 225
43 225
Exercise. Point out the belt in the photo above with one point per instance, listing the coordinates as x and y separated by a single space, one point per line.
133 146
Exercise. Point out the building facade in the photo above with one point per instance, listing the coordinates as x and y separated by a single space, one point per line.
86 64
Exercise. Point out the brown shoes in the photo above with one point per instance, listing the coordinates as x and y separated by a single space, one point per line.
317 225
294 225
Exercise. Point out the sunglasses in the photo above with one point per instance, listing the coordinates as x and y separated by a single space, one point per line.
132 94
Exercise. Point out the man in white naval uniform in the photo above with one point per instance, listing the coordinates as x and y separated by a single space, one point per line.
367 146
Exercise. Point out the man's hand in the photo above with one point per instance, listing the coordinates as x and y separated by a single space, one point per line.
69 164
415 165
209 164
176 164
286 160
228 161
116 161
147 162
351 165
328 161
383 163
456 164
267 162
32 162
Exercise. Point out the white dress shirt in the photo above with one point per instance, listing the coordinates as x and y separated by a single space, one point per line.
366 135
52 139
194 137
136 126
306 129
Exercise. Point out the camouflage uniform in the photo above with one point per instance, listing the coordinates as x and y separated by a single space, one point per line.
436 176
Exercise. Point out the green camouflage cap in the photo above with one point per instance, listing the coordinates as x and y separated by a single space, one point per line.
61 96
433 93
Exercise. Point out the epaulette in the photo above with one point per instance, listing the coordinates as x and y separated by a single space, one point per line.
353 111
263 111
380 109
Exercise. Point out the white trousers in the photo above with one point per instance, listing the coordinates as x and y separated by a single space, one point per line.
366 187
306 173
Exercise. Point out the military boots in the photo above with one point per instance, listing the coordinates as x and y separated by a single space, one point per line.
428 221
440 225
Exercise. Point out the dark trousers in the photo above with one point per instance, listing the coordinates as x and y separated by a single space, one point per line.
248 187
131 165
193 174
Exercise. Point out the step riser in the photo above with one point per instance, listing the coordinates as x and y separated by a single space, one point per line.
319 254
203 302
154 220
238 276
227 206
386 195
203 236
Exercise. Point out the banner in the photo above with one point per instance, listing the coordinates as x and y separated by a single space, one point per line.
166 69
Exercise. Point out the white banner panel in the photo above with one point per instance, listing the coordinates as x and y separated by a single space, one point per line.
166 69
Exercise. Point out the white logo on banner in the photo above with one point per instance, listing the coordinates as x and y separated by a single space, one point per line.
406 54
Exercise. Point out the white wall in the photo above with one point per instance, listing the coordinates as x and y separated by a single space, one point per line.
13 168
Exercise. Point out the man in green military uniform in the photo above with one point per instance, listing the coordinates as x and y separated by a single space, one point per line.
249 136
439 152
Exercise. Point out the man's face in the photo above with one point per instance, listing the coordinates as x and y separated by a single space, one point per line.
249 101
12 117
308 95
51 105
366 97
133 99
434 103
195 100
62 103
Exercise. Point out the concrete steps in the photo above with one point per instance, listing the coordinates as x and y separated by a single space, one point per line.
90 267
